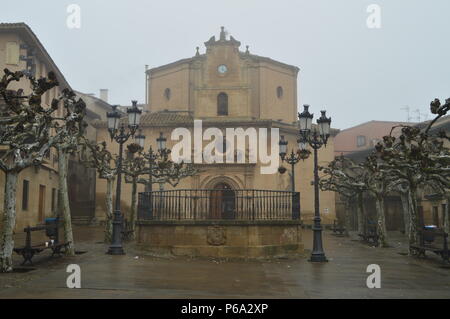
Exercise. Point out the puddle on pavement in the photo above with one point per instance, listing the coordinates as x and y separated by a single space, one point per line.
80 252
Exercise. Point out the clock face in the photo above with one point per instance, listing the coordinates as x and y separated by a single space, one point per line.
222 69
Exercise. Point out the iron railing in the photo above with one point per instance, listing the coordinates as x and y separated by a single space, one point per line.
219 204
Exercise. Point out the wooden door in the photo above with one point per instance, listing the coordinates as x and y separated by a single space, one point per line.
41 208
228 204
215 204
222 202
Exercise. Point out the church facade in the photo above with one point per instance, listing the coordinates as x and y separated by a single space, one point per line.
252 86
227 88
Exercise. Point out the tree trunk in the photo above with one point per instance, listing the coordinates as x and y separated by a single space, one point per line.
133 206
406 211
347 217
447 216
9 222
381 222
109 210
64 197
413 217
360 212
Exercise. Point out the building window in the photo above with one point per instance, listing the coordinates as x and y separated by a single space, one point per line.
279 92
360 141
25 191
222 104
222 145
167 94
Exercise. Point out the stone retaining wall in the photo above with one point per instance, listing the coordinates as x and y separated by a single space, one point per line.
224 238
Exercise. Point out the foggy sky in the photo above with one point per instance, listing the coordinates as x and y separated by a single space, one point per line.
357 74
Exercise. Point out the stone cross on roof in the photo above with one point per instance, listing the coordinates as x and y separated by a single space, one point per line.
223 39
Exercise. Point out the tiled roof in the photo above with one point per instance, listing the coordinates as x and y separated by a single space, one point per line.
440 124
176 119
159 118
99 101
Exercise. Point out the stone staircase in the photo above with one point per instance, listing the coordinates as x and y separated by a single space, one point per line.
83 220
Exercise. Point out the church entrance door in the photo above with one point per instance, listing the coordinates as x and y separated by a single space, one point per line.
222 201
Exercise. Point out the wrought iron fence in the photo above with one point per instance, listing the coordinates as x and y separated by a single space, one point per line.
219 204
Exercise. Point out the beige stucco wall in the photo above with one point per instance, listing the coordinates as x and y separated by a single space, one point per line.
250 83
30 217
271 77
44 176
177 80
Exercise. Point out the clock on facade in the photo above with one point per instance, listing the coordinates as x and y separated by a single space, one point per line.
222 69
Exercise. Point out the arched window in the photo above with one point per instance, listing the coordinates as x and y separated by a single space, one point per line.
222 104
279 92
167 94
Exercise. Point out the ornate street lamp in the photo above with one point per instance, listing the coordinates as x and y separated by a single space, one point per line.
292 159
140 139
161 141
315 138
118 132
283 147
152 157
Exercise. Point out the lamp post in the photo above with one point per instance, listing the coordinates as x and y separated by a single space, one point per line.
152 157
119 133
292 159
315 138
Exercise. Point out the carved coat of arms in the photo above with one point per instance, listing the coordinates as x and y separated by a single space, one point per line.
216 236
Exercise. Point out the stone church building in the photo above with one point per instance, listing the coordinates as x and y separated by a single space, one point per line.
227 88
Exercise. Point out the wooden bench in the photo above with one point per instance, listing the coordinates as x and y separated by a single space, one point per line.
370 234
337 228
429 240
29 250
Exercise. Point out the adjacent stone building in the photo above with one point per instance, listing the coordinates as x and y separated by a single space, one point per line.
37 188
364 136
432 207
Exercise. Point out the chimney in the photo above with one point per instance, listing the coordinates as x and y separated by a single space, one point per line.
104 95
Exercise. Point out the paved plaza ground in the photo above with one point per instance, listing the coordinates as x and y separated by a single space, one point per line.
138 276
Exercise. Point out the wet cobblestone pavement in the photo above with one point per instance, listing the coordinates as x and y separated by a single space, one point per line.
138 276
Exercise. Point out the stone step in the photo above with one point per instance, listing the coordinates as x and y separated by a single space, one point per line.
82 220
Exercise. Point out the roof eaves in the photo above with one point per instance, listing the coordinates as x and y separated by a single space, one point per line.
26 31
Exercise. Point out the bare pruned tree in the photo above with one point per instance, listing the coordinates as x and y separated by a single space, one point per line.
27 131
97 156
345 177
